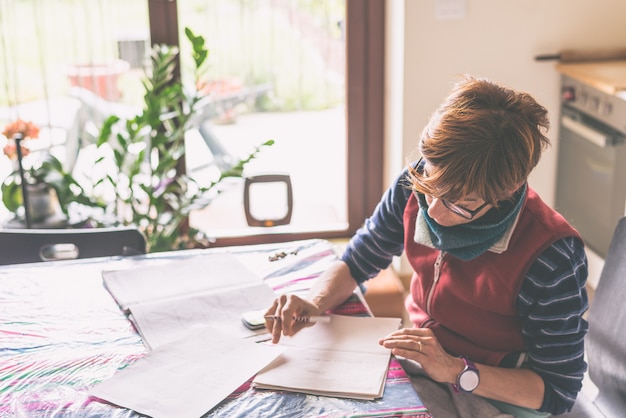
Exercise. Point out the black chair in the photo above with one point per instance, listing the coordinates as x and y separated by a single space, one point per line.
606 339
35 245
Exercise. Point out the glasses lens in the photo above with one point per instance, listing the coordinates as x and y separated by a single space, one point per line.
464 213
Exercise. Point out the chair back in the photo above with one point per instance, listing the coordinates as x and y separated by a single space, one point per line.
35 245
606 339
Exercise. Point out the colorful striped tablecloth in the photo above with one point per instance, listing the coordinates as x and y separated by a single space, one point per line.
61 332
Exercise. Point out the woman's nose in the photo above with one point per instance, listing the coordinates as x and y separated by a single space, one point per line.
436 208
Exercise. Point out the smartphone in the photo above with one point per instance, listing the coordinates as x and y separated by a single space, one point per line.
254 319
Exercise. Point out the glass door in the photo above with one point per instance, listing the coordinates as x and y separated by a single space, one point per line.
277 71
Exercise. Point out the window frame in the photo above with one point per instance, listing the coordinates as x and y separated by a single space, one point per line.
364 111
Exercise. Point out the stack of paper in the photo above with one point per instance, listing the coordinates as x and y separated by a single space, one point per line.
187 378
340 358
188 312
167 300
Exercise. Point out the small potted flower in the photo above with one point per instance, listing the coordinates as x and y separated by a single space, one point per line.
50 189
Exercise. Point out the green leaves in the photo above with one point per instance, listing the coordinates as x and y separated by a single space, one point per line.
49 171
200 52
11 194
148 151
237 169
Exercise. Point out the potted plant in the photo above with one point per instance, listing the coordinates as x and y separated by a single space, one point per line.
49 186
150 189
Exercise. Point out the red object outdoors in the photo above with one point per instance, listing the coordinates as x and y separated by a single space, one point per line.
102 79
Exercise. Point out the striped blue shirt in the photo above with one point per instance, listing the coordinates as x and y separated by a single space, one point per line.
551 301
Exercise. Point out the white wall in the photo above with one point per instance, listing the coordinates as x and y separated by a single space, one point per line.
497 40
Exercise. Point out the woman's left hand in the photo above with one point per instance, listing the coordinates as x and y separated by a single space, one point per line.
421 345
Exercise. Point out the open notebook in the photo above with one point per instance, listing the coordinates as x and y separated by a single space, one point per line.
165 301
341 358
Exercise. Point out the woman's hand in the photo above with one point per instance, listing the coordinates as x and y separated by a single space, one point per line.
286 309
421 345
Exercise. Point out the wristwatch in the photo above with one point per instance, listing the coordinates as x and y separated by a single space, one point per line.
468 379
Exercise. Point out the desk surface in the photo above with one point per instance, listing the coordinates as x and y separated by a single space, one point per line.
61 332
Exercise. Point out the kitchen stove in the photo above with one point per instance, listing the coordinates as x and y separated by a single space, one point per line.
591 179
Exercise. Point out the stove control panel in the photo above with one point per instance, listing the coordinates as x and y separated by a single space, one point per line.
596 104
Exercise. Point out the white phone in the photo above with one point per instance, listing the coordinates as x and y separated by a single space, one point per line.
254 319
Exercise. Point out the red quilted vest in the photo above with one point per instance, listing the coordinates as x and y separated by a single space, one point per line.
472 306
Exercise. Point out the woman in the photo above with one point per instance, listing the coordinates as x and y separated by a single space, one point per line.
498 290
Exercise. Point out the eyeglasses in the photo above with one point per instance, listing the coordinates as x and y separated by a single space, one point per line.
461 211
452 207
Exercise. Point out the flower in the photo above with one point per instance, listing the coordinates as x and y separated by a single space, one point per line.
10 150
46 170
28 130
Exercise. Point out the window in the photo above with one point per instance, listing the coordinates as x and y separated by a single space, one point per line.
343 150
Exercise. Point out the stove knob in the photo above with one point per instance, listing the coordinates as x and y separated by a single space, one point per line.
594 103
568 93
606 108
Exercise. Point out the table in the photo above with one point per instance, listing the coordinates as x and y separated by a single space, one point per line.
61 332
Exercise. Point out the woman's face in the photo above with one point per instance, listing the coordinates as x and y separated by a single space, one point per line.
440 212
447 213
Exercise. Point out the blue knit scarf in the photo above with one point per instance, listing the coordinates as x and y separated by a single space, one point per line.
470 240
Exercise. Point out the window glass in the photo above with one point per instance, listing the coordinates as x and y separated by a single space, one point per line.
54 55
276 70
285 63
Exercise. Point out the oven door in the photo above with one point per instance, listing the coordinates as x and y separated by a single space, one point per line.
591 179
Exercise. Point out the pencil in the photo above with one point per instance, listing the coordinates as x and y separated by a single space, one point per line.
312 318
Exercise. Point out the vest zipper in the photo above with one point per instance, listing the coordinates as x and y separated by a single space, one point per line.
437 272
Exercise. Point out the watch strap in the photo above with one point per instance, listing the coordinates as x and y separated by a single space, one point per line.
469 365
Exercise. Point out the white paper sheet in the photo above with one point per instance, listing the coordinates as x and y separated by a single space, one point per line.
186 378
328 373
164 321
188 276
341 358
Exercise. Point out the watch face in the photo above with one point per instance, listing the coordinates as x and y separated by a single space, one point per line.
468 381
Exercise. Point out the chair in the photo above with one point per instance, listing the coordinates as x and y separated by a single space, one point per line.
606 341
94 111
35 245
91 115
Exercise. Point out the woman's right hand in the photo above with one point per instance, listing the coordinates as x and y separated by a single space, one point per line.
281 316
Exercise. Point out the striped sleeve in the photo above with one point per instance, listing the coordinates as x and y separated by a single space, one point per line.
551 303
381 237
